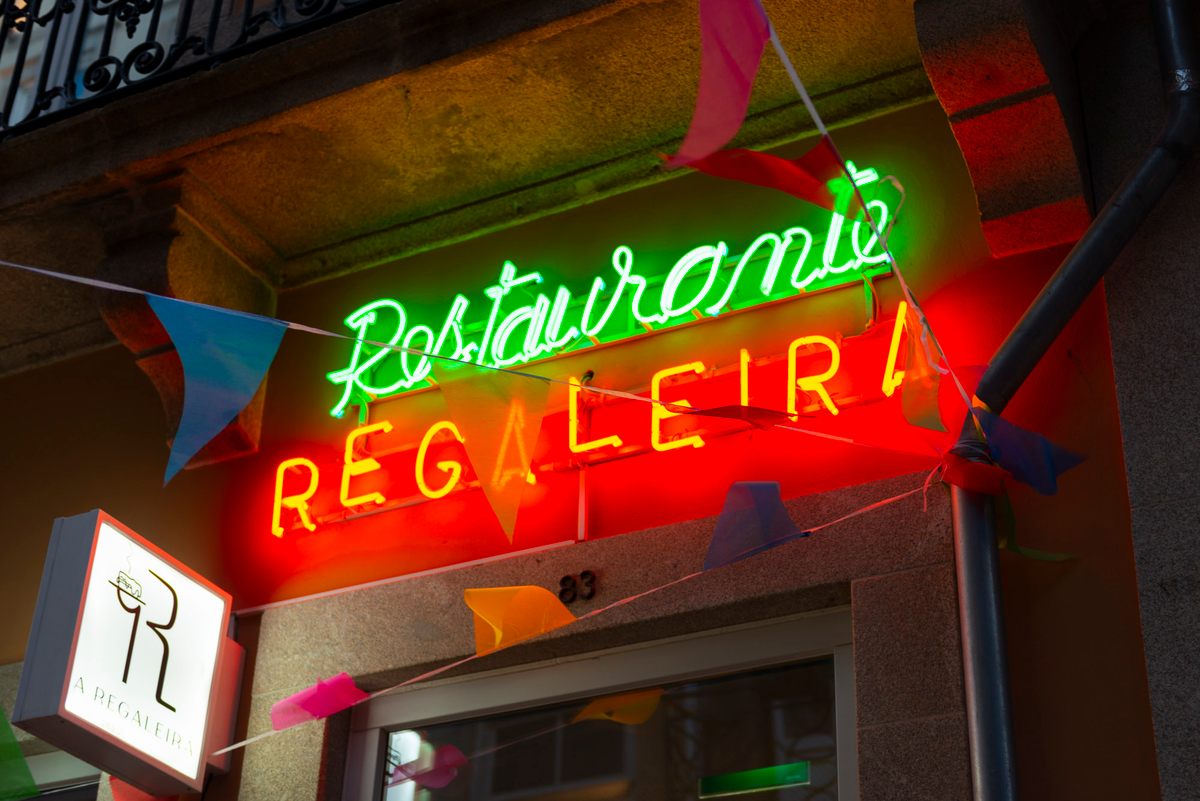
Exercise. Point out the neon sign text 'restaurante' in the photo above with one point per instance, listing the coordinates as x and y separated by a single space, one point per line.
704 281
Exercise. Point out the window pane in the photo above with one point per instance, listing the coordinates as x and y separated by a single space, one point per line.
753 733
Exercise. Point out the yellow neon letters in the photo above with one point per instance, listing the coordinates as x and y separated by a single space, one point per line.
449 465
573 425
297 501
812 383
658 412
892 377
357 467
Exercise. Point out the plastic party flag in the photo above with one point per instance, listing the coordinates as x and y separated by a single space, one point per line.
754 415
15 779
326 697
447 759
505 616
732 36
753 520
629 708
225 356
816 177
1031 458
499 415
981 477
919 388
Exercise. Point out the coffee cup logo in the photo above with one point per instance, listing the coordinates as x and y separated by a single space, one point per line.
129 597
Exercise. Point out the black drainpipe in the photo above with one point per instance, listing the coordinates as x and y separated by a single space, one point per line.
989 720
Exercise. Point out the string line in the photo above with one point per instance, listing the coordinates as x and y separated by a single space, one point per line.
879 235
595 612
615 393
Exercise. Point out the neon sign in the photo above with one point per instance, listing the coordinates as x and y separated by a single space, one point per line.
813 365
706 281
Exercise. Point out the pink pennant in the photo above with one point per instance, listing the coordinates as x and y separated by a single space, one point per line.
446 761
732 36
326 697
980 477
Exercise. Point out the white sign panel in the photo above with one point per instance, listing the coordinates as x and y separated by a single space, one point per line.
128 665
145 652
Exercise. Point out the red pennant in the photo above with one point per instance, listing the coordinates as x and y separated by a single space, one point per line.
981 477
816 177
754 415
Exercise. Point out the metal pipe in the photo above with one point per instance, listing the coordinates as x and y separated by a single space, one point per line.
1116 223
981 621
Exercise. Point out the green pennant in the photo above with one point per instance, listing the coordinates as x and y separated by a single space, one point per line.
16 782
1006 535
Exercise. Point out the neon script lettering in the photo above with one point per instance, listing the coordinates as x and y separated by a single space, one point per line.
389 354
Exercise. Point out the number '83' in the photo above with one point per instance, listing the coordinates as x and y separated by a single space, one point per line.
581 587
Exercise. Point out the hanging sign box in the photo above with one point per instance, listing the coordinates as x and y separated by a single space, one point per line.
128 665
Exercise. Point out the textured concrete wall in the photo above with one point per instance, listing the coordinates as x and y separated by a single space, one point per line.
984 63
1153 296
892 565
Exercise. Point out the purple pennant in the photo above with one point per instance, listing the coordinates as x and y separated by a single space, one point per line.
225 355
1030 458
732 36
753 520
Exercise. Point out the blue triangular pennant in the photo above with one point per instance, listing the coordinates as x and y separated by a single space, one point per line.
1031 458
225 356
753 520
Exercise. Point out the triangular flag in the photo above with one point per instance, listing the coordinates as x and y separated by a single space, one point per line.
754 415
225 357
505 616
447 759
753 520
816 177
732 36
124 791
499 415
1031 458
15 779
919 388
629 708
981 477
1006 531
326 697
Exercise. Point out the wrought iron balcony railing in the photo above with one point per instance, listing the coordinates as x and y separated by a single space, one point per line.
59 56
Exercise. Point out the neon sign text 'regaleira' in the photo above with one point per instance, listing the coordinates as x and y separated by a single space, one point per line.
705 281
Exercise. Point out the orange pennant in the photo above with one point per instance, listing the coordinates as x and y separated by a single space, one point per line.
500 415
919 390
505 616
631 708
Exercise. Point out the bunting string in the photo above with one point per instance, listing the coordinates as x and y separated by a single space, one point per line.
441 669
308 329
867 216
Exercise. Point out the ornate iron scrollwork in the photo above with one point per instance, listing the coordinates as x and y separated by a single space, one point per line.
129 12
74 54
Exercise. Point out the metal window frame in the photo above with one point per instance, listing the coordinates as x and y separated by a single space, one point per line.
695 656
